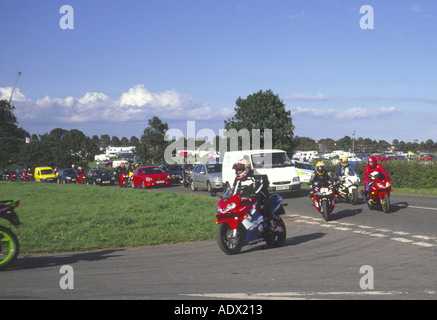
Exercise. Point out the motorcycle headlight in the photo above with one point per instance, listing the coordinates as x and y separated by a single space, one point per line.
388 184
228 208
380 185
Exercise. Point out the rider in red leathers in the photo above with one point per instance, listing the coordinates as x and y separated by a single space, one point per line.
372 166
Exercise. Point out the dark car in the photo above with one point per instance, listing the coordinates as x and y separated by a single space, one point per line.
99 177
174 171
67 176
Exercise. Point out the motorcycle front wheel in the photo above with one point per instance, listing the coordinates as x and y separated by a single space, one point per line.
385 203
9 247
229 242
326 214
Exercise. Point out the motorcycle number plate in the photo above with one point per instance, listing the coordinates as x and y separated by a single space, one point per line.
282 188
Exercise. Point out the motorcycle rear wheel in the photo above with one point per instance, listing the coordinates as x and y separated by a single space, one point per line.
9 247
277 239
226 240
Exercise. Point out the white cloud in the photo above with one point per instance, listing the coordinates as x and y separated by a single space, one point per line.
297 15
136 104
348 114
5 94
306 97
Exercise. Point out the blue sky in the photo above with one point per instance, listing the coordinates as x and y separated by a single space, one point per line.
189 60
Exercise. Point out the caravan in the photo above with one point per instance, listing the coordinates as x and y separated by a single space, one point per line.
275 164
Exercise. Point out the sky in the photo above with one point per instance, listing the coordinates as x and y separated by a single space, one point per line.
107 67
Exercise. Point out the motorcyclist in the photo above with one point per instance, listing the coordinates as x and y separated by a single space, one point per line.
319 177
120 170
253 186
372 166
343 165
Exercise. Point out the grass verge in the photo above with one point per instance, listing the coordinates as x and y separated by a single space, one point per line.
60 218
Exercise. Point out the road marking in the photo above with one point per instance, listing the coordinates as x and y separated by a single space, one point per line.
426 208
399 236
294 295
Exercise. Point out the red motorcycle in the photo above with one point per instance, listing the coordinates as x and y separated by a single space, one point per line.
324 200
27 176
80 177
124 180
240 222
379 195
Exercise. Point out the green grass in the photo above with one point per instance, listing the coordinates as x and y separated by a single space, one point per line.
59 218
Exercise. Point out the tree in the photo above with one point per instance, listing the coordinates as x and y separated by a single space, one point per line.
264 110
11 136
152 144
59 147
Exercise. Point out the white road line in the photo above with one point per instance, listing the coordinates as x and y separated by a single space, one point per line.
293 295
367 230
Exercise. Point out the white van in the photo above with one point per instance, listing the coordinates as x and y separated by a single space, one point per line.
282 174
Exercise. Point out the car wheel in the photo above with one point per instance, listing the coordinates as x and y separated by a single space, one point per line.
193 187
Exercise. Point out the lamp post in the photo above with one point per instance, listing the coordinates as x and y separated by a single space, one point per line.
16 79
353 142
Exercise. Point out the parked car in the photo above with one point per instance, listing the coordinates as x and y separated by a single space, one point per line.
174 171
68 175
151 176
207 176
304 170
44 174
100 177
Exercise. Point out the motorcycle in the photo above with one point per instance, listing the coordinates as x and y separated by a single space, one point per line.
9 245
27 176
347 187
240 222
324 200
379 195
124 180
80 177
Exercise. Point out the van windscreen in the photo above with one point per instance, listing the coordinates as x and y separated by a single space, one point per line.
270 160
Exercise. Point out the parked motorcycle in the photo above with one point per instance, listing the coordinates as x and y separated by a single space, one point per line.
324 200
347 187
9 246
241 223
379 195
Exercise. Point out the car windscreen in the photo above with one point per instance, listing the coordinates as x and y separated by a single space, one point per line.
101 172
307 166
214 168
271 160
69 171
152 170
46 171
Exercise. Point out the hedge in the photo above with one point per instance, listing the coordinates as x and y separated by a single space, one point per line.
404 174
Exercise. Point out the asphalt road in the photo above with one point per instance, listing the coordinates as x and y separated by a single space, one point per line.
360 254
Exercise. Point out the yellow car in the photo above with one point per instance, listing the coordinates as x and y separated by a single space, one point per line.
44 174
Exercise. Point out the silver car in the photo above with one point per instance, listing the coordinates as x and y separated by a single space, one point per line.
207 176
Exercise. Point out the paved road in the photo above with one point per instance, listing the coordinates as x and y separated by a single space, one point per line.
394 254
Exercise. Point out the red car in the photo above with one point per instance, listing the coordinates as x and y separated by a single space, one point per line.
150 177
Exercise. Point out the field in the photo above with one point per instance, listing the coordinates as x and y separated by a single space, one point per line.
60 218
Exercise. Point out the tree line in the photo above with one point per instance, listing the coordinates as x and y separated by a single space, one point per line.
260 110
